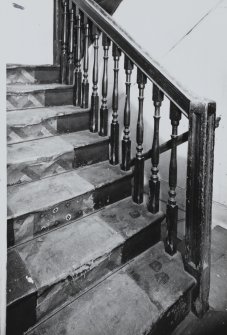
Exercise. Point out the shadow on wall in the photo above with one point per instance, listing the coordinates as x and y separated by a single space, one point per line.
15 5
165 124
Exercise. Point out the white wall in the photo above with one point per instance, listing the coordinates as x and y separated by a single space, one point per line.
29 32
196 58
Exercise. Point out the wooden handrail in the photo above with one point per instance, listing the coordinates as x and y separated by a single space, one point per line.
200 112
172 90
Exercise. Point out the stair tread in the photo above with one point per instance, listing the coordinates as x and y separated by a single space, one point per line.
27 88
24 117
45 149
131 301
44 193
78 247
32 66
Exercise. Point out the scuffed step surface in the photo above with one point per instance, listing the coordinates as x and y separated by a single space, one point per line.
36 96
28 74
14 89
34 160
64 262
141 298
25 125
42 205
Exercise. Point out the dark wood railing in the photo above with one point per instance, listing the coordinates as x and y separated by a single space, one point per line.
82 23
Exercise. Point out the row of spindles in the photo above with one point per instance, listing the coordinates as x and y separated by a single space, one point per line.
76 38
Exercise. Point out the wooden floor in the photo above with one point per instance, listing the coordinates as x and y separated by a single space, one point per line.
215 321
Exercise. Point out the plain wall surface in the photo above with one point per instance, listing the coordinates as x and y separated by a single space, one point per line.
187 39
29 31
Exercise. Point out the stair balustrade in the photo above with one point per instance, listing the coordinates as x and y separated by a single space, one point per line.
114 135
77 71
126 142
95 96
200 134
85 83
104 108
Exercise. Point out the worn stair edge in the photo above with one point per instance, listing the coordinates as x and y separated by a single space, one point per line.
36 96
41 158
32 74
150 295
55 271
24 125
34 208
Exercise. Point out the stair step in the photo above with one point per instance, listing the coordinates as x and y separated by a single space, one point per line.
37 159
149 295
61 264
42 205
26 125
21 96
32 74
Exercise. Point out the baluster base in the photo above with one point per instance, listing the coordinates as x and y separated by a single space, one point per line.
114 144
171 222
85 95
103 122
138 187
94 114
70 74
77 89
126 155
63 73
153 204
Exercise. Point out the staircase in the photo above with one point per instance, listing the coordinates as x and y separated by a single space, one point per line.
74 233
85 251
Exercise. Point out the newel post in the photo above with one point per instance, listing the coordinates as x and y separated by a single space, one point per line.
199 201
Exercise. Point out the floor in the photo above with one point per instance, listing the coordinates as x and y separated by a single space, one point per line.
215 321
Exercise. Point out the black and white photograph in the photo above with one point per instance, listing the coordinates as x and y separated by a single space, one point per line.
113 167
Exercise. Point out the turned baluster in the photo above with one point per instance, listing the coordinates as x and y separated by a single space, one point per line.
85 84
95 96
154 183
114 135
71 48
104 109
139 160
63 71
78 73
172 208
126 142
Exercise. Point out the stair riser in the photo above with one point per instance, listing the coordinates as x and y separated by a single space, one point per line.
53 297
21 312
173 318
29 75
47 128
21 316
51 97
28 226
49 166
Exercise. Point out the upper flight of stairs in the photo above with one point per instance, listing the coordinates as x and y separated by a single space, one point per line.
82 258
